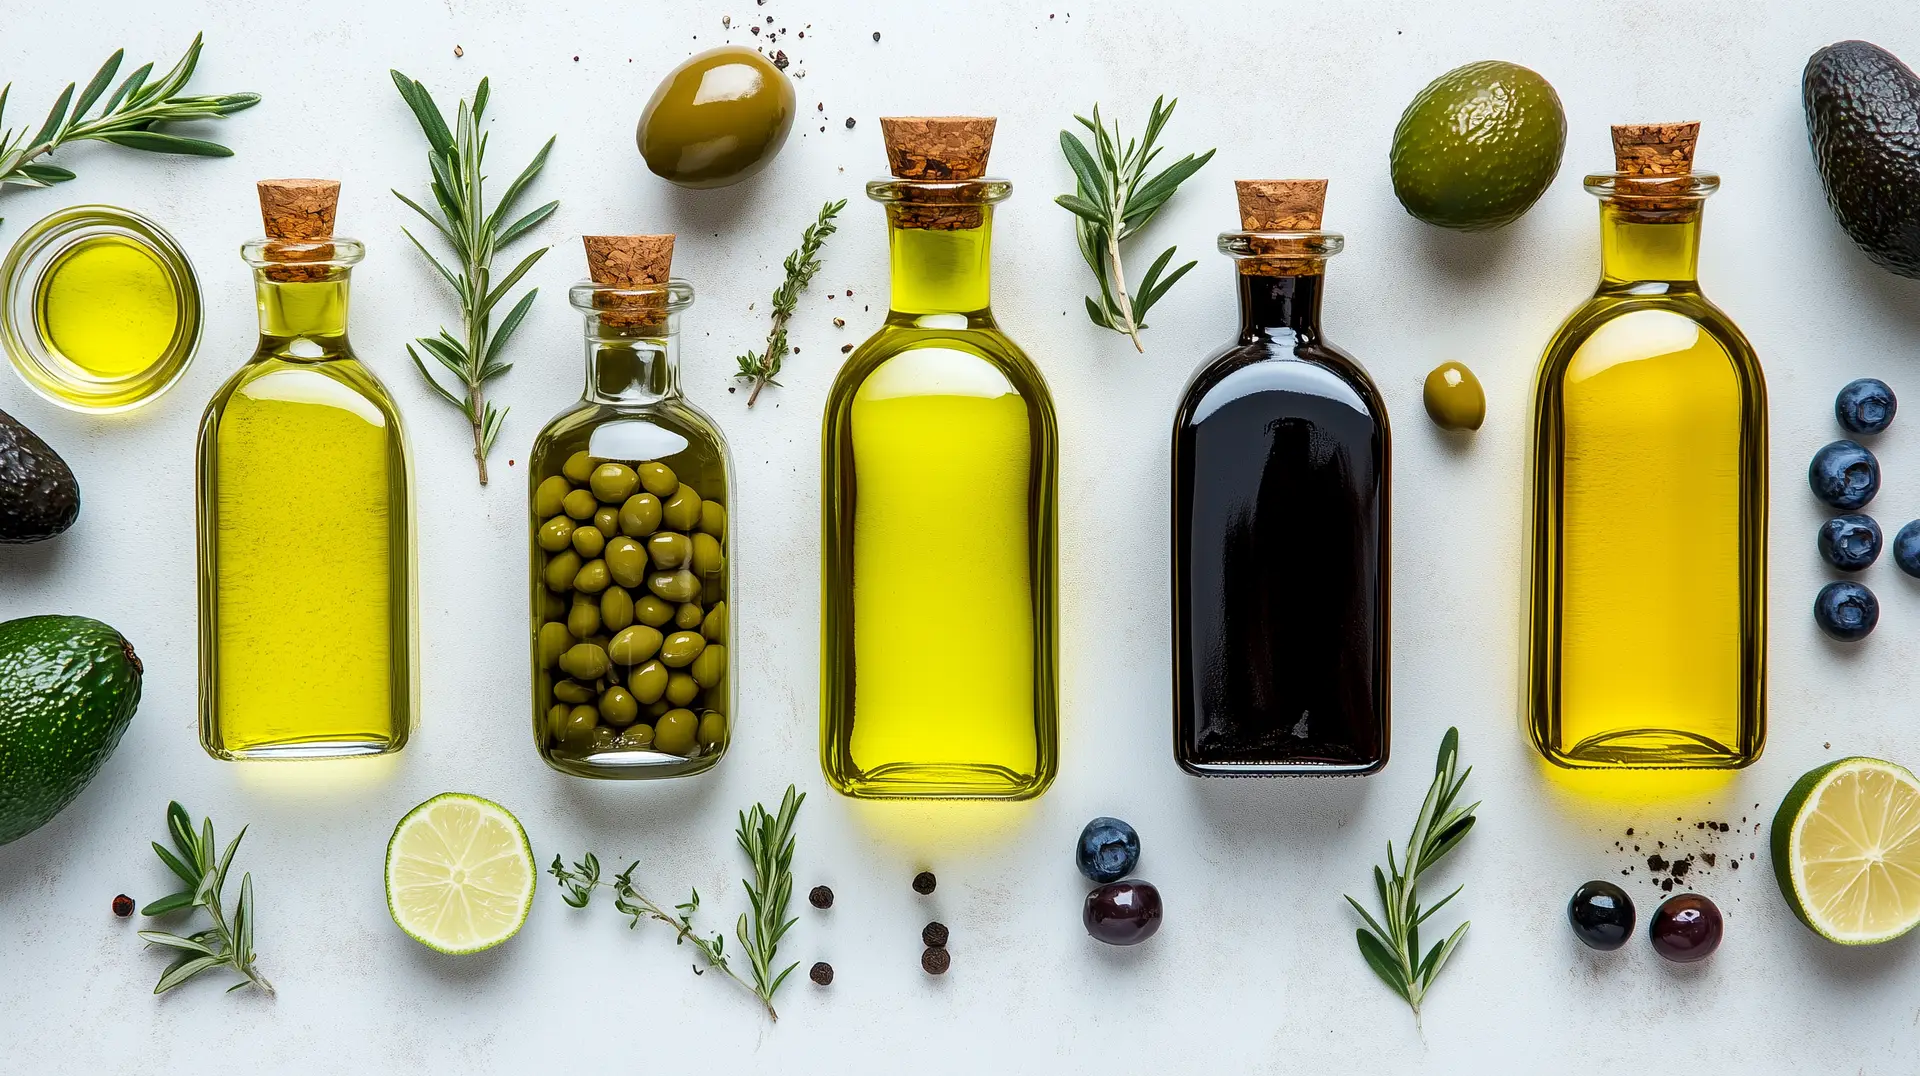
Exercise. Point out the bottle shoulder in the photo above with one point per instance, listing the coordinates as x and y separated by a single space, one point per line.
1648 323
622 431
946 350
1277 367
338 380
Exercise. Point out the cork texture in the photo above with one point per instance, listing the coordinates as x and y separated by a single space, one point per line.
631 261
938 147
1655 149
1281 205
300 213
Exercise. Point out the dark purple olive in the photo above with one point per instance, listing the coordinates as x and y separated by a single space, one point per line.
1685 928
1122 913
1602 915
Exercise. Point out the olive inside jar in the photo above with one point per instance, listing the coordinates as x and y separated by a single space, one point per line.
629 495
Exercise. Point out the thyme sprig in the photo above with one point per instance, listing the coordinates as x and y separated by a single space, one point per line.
228 943
455 156
1393 950
768 842
1113 200
801 265
127 118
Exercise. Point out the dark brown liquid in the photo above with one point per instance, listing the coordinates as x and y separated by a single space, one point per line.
1280 471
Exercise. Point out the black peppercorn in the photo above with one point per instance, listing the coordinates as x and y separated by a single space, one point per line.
820 897
849 123
123 906
935 961
935 935
876 35
923 883
821 973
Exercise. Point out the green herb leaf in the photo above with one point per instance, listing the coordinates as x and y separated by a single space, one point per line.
170 903
762 367
224 943
99 84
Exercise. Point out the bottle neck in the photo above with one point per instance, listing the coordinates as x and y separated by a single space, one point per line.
1272 305
312 309
628 367
1637 247
940 270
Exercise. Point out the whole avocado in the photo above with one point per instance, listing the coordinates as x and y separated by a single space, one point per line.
1863 120
1478 146
38 495
68 688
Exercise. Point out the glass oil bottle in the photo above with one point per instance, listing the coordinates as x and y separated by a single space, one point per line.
1647 626
1280 522
305 516
938 590
629 492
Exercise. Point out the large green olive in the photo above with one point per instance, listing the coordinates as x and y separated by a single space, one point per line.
708 558
592 577
548 496
1454 398
710 666
713 519
555 534
688 616
717 118
585 661
658 479
640 516
561 568
578 468
572 692
584 618
580 504
713 729
714 627
555 640
613 483
680 586
649 682
618 707
581 721
638 736
670 550
616 608
682 510
681 689
652 612
607 521
679 649
557 719
676 732
588 541
626 561
635 645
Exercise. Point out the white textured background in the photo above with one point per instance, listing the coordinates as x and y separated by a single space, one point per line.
1255 969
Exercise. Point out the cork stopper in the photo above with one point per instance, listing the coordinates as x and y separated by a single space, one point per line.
1655 149
300 212
938 147
1281 205
631 262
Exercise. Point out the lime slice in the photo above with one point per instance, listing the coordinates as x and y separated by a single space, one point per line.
459 874
1846 850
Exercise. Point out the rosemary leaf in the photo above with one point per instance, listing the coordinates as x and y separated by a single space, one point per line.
801 265
225 943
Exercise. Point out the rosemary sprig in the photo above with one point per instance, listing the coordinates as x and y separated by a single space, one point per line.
761 369
1393 950
128 118
455 157
1113 201
225 944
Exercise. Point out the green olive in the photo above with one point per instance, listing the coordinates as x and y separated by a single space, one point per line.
649 682
710 666
607 522
714 627
616 608
550 494
655 708
679 649
588 541
554 640
713 729
584 618
572 692
1454 398
618 706
658 479
688 616
717 118
682 510
580 504
555 534
680 586
557 719
592 577
670 550
713 519
561 568
578 468
681 689
626 561
634 645
640 516
584 661
652 612
606 739
613 482
581 721
638 736
708 559
676 732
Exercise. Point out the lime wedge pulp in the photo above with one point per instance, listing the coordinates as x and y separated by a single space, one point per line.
460 874
1846 850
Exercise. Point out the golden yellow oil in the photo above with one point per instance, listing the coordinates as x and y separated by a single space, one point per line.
1648 605
107 305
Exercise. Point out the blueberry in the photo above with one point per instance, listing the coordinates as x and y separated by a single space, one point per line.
1850 543
1906 548
1844 475
1846 610
1602 915
1108 849
1865 406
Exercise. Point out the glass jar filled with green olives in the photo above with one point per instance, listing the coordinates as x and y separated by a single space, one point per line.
630 491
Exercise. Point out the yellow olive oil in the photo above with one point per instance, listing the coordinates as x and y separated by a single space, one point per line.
108 306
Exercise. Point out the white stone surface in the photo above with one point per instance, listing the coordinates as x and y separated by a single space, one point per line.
1255 970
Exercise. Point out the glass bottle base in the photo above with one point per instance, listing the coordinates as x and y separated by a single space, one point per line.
907 780
319 749
1647 749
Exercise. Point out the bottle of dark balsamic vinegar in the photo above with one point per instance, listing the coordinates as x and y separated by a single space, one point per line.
1280 510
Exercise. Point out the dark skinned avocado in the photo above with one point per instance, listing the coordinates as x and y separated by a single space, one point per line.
68 687
1863 118
38 496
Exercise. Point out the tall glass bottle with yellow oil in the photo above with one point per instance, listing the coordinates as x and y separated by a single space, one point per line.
305 516
1648 610
937 584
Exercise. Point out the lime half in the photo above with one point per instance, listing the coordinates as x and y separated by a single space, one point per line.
1846 850
460 874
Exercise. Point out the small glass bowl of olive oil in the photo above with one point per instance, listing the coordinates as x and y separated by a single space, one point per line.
101 308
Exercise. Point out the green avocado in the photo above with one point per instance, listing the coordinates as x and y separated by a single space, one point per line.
68 687
1863 119
38 496
1478 146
